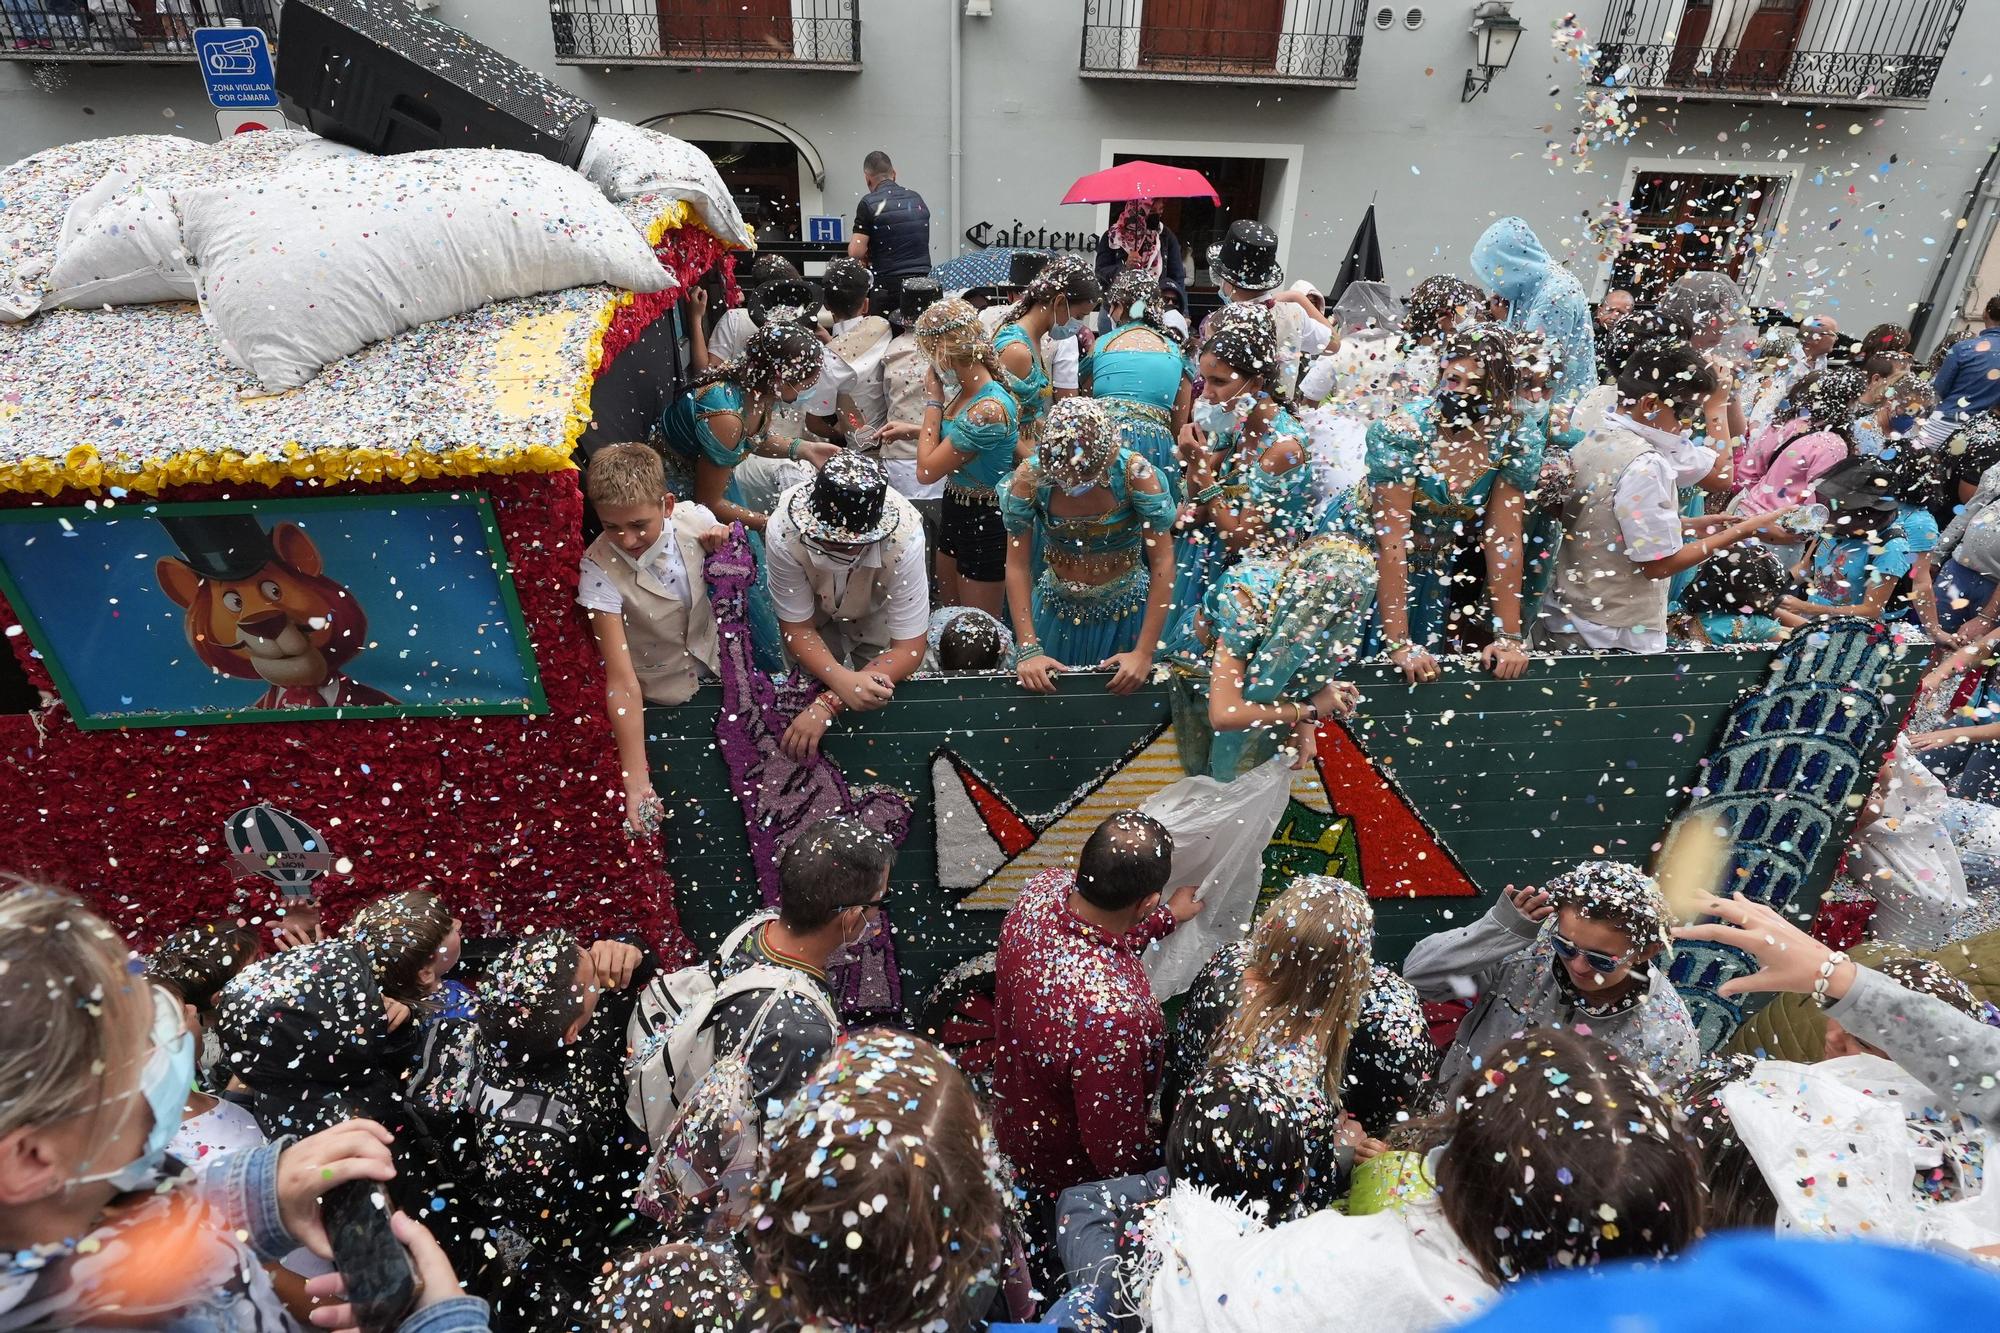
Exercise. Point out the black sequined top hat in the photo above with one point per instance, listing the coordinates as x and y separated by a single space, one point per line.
847 503
919 295
1247 257
1024 265
847 278
788 300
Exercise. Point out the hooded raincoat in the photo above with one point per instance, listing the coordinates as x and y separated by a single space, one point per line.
1543 297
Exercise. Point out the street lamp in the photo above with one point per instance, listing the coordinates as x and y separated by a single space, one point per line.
1497 32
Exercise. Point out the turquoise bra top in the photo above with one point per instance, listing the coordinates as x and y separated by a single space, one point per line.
1119 528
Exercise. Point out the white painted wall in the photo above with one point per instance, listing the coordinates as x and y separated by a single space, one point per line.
1857 238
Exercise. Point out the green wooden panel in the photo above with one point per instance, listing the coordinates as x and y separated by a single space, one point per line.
1580 758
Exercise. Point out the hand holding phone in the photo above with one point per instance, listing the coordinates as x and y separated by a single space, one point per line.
377 1274
435 1281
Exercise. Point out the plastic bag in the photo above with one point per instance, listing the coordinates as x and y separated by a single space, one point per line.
1905 859
1220 831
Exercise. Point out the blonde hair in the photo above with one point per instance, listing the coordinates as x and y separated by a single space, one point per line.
61 969
949 333
1312 952
625 474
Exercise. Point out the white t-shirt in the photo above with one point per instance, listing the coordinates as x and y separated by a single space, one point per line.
909 610
595 592
225 1128
835 376
732 334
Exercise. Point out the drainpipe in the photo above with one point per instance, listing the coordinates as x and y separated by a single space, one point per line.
956 94
1979 214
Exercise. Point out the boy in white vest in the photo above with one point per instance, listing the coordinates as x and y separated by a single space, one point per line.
1622 528
642 583
847 566
849 404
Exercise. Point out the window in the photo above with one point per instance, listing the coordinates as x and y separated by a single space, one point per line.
1200 223
764 180
1688 220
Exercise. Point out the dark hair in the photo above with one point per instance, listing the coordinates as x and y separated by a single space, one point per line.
1993 308
1892 338
877 163
1392 1063
1673 370
1562 1155
775 354
1063 276
836 864
770 268
1136 287
1641 326
1927 977
1124 861
1739 580
879 1205
1241 1135
1828 402
1738 1199
530 997
681 1287
970 643
1492 347
1434 298
401 933
1244 337
1881 365
846 286
196 962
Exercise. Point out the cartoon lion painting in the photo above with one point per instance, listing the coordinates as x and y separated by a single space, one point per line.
259 606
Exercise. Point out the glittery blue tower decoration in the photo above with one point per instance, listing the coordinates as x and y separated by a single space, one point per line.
1780 784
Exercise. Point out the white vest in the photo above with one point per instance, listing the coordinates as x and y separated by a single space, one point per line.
666 638
866 406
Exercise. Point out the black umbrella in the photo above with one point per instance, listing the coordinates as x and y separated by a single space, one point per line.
1364 258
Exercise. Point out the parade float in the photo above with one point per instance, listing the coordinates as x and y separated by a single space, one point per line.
330 595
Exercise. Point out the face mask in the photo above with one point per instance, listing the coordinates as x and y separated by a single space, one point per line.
1456 407
1069 328
1221 418
1665 439
165 1084
948 381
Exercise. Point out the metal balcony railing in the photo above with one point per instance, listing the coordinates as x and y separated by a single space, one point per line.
1314 42
1830 52
793 34
153 30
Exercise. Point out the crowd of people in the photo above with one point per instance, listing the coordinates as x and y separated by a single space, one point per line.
1065 475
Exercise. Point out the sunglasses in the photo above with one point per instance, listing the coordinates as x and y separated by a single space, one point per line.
1602 963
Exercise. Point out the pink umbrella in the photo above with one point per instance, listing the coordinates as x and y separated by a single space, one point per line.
1140 180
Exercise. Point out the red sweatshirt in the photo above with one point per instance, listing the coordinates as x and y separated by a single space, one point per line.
1081 1041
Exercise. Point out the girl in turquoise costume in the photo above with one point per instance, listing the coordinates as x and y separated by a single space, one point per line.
1105 522
968 439
1273 631
719 420
1139 372
725 415
1451 474
1055 303
1249 484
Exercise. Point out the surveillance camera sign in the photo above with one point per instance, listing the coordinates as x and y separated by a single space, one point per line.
236 68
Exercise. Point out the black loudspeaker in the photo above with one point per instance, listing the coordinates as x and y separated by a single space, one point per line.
386 79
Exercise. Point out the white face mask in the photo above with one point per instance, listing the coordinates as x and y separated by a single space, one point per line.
646 557
1222 418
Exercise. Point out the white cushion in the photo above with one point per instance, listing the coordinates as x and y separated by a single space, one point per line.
630 161
299 269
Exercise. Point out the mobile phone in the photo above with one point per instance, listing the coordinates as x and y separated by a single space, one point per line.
382 1283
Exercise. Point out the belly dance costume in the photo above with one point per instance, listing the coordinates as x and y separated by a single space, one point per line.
969 528
687 438
1284 501
1138 387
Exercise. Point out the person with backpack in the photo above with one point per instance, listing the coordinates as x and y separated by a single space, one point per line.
719 1049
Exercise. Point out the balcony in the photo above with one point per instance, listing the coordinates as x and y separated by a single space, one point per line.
693 34
120 30
1861 53
1315 43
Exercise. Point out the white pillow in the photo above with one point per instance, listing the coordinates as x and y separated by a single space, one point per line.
36 196
627 161
299 269
121 244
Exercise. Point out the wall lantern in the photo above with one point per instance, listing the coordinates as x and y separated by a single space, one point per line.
1497 33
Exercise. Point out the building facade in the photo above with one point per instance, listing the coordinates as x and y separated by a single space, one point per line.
1823 150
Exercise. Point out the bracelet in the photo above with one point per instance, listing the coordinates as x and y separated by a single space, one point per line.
930 403
1825 978
1209 492
1026 650
793 452
826 697
1509 636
